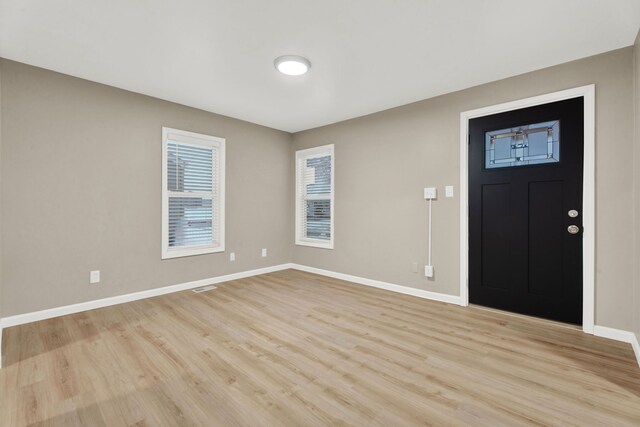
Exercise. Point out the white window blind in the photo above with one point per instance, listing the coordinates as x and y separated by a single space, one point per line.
193 193
314 197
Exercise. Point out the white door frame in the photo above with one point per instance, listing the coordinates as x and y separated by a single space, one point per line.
588 201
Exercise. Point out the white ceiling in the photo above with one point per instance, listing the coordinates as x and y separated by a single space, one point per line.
366 55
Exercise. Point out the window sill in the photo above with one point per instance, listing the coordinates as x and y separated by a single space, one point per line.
315 244
179 253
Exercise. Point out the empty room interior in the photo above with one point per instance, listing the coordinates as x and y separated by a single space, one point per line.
319 213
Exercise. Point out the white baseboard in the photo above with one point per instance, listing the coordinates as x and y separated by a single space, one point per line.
0 343
105 302
21 319
619 335
601 331
436 296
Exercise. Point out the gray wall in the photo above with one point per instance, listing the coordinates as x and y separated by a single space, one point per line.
81 169
636 72
384 160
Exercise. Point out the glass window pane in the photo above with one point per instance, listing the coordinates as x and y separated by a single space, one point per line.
321 184
523 145
318 219
189 168
190 221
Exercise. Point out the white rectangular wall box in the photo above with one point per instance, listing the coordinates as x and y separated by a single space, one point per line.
428 270
94 277
448 191
430 193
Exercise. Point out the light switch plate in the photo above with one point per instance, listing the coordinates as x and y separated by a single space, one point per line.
430 193
232 256
264 253
448 191
94 277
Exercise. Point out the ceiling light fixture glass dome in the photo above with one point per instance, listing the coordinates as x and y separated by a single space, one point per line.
292 65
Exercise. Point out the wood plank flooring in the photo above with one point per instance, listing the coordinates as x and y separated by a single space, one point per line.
296 349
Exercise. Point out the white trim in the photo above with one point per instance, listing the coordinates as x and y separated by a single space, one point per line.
192 138
613 333
619 335
1 327
601 331
35 316
315 243
451 299
322 150
588 204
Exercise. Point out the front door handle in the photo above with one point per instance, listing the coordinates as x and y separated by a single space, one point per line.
573 229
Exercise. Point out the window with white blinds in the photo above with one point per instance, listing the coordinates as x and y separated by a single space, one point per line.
192 193
314 197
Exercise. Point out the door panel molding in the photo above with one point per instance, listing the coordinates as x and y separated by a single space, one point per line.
588 206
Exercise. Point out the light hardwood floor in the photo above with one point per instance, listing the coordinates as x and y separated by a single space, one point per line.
296 349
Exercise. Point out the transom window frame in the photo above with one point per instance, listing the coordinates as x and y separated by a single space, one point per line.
554 145
195 139
303 155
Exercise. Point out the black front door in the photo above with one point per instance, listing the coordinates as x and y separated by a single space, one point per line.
525 210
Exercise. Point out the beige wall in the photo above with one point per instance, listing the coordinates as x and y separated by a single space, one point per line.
384 160
81 169
636 72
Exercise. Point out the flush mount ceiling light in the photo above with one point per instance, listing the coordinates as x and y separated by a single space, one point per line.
292 65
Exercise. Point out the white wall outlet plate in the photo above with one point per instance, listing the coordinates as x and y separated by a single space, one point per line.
428 270
448 191
232 256
430 193
264 253
94 277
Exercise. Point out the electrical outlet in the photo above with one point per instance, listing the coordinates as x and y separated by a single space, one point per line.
94 277
232 256
428 270
264 253
414 267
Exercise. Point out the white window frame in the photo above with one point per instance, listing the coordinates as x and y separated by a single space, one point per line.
323 150
206 141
